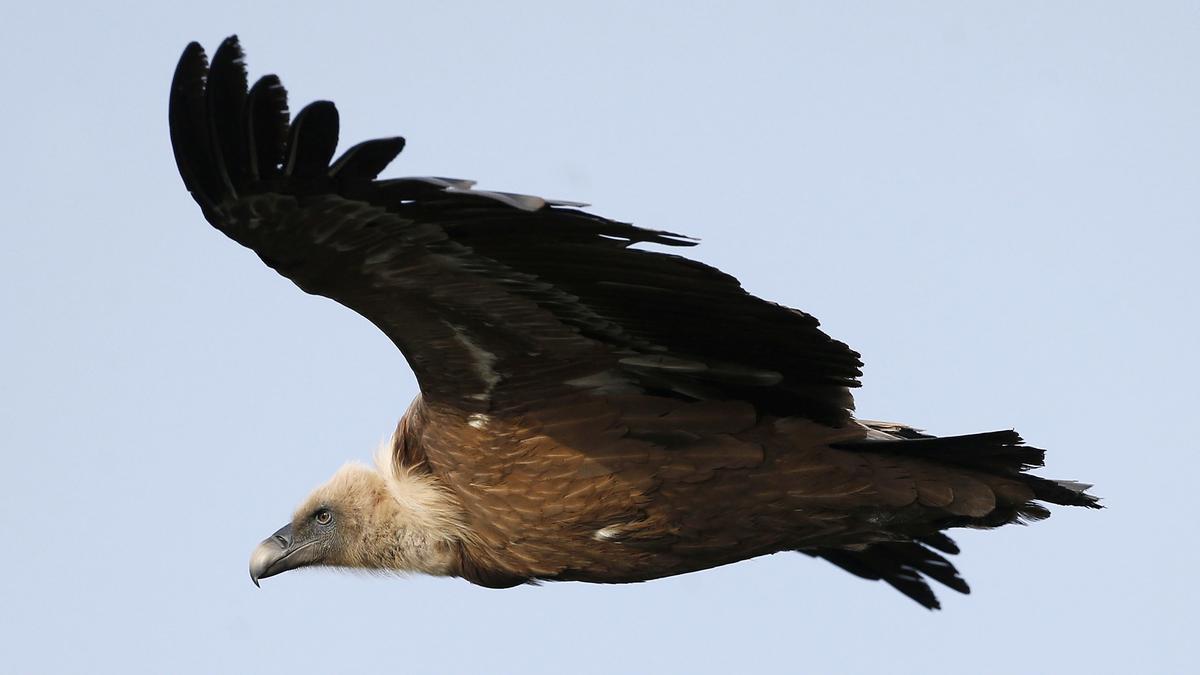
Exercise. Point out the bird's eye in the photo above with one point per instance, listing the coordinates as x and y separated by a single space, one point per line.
323 517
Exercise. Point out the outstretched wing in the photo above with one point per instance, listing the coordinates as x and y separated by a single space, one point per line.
496 300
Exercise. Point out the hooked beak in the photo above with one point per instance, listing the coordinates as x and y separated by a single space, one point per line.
280 553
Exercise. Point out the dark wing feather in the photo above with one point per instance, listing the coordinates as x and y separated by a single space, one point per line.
496 300
266 126
903 565
312 142
367 159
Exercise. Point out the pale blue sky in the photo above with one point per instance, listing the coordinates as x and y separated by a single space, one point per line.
996 203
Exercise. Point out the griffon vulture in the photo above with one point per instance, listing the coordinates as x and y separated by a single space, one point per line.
589 411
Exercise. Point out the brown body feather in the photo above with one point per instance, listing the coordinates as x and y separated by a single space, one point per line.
589 411
631 488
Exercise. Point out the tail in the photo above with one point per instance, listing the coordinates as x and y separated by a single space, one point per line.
1002 454
1000 460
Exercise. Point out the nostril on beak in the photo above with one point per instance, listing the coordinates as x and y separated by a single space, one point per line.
283 541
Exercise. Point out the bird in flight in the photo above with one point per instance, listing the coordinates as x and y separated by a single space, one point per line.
589 410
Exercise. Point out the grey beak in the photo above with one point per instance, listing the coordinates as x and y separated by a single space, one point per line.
271 556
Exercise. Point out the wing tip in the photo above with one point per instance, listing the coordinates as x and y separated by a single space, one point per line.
366 160
189 138
313 140
230 46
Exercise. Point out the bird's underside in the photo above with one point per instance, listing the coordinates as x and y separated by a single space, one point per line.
589 411
633 487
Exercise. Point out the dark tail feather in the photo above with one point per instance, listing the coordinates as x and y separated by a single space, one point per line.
905 566
992 451
1001 453
1065 492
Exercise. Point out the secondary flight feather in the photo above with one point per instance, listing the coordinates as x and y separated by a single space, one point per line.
582 415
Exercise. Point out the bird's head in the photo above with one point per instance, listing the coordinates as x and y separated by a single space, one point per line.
329 527
367 518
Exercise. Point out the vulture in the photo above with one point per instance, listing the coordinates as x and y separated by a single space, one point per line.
589 409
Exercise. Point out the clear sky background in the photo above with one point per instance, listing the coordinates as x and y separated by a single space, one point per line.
996 203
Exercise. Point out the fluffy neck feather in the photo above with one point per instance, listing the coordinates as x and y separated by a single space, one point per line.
422 517
404 520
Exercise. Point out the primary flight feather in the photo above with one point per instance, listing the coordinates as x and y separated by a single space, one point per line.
588 411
